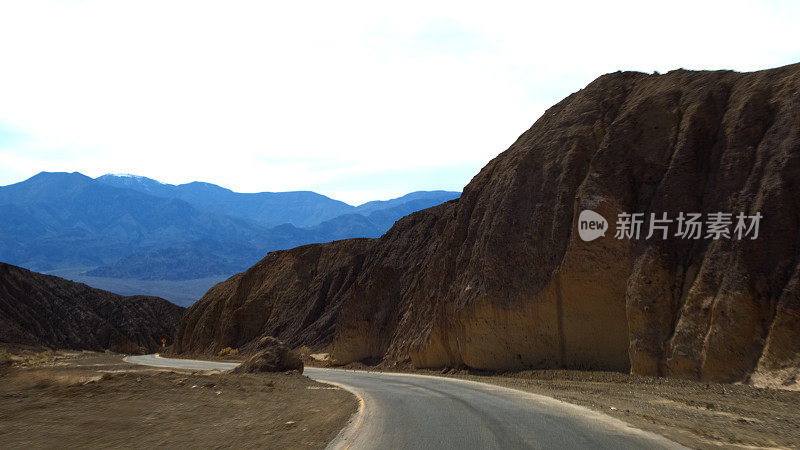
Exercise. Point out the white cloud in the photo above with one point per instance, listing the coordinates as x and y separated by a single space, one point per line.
305 95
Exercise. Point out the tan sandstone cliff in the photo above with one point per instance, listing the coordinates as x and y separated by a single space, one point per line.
499 279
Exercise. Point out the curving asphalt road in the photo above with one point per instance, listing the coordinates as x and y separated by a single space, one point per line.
189 364
407 411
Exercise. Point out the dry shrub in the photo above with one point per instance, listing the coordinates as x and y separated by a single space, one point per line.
5 358
304 352
42 379
33 357
227 351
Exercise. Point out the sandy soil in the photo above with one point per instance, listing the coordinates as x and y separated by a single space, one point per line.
698 415
95 400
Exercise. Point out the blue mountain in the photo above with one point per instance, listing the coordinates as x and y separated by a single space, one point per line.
132 227
299 208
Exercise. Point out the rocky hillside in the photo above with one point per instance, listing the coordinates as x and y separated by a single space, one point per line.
43 310
500 279
294 295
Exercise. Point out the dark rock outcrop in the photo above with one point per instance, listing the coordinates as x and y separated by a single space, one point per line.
43 310
271 355
293 295
499 279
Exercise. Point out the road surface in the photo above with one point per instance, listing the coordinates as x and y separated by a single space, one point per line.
407 411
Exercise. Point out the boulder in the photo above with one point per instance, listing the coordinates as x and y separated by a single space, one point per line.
271 355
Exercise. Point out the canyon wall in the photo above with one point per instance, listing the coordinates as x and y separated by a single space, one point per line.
500 279
292 295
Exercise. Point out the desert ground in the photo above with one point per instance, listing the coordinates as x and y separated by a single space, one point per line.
93 400
96 400
695 414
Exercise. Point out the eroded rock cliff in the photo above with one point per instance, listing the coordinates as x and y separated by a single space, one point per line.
499 279
294 295
43 310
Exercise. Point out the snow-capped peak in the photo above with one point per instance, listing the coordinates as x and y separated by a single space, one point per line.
132 176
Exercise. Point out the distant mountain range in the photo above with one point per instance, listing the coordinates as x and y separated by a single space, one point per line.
133 227
300 208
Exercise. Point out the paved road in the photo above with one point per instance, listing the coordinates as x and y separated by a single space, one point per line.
404 411
190 364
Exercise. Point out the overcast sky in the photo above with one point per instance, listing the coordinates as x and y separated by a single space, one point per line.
355 100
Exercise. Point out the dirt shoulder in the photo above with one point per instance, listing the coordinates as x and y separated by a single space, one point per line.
695 414
95 400
698 415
